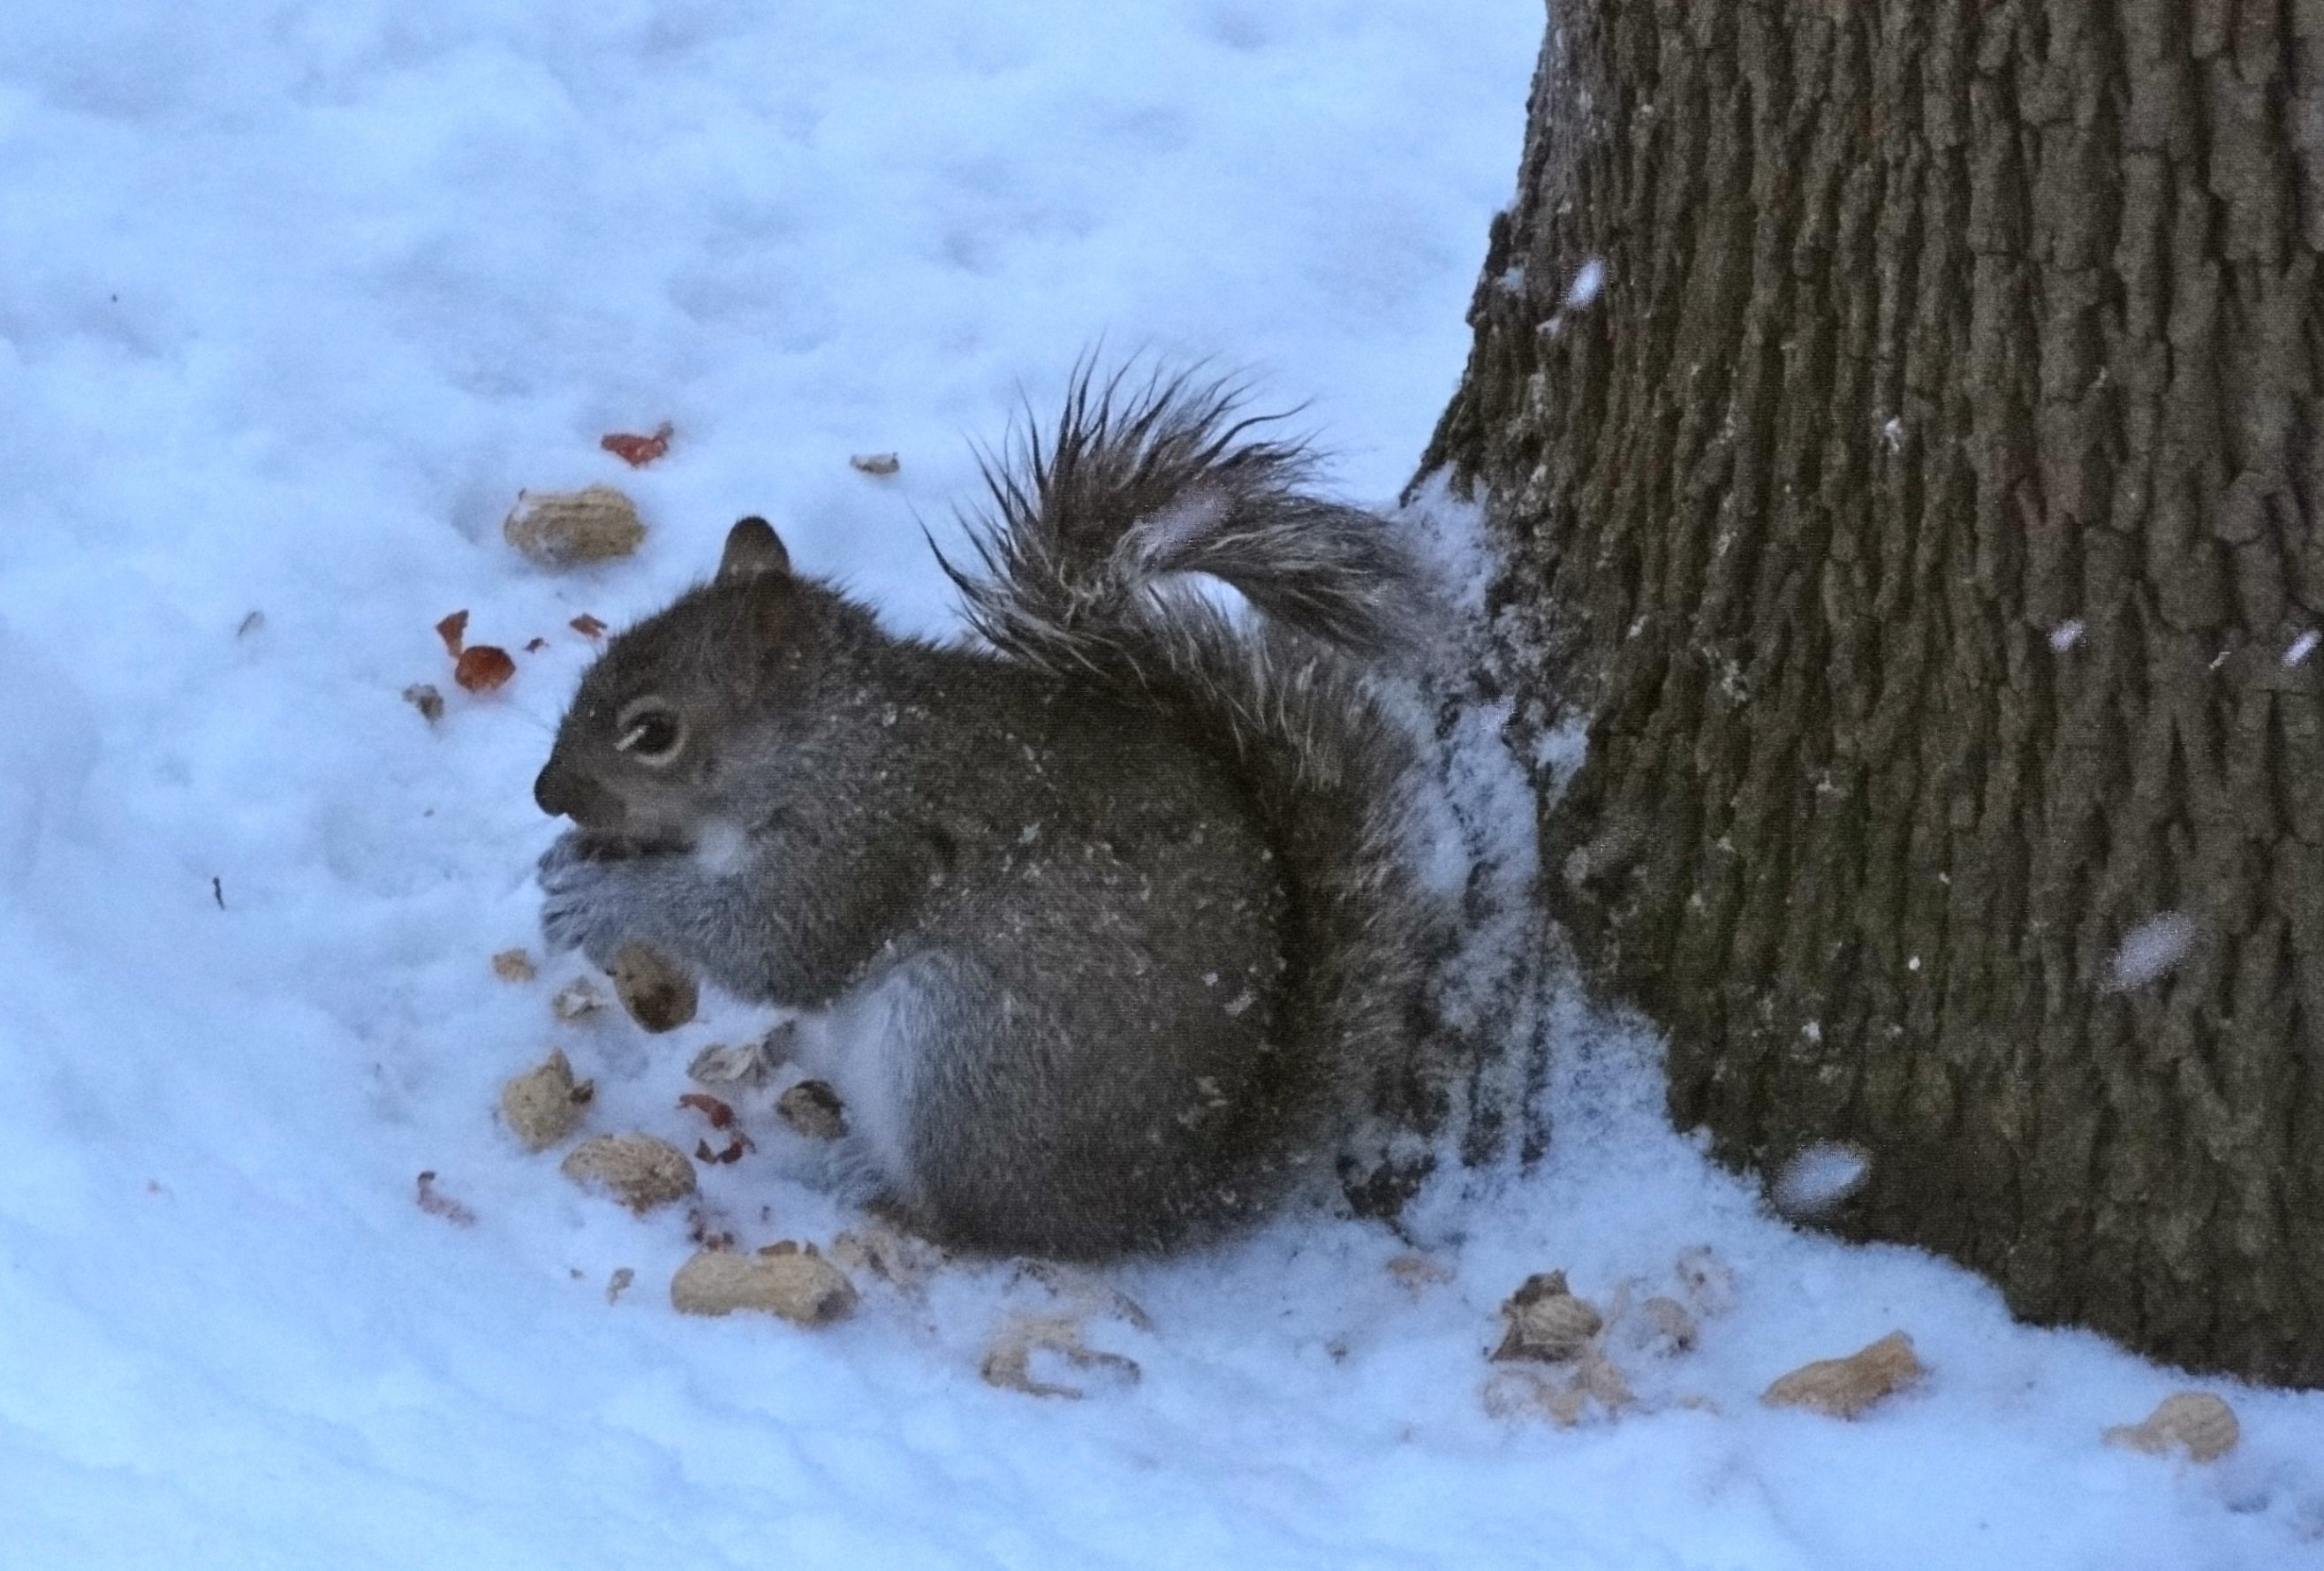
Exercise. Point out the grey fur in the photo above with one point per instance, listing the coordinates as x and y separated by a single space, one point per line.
1104 933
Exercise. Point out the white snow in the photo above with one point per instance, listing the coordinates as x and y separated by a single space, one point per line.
1818 1178
1588 281
2152 949
2302 648
293 299
1560 752
2066 635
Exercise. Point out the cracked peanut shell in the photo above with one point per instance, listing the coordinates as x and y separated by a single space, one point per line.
1842 1388
543 1106
796 1284
659 995
567 529
639 1170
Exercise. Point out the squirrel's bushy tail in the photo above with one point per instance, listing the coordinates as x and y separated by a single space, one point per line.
1137 484
1082 557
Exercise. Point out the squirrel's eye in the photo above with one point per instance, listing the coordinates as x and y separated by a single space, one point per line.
650 733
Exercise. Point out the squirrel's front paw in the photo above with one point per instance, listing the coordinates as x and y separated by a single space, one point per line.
578 847
588 905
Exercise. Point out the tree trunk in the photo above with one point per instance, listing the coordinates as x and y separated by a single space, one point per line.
1900 422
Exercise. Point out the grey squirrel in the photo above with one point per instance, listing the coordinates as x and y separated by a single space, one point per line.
1102 932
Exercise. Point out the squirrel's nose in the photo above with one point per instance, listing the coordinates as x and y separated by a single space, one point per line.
568 794
550 791
563 794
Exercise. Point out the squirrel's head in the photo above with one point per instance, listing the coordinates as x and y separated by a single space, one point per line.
651 744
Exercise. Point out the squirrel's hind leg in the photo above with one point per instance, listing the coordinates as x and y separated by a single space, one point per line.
971 1119
871 1047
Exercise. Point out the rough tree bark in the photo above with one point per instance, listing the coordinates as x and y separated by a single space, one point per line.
1900 419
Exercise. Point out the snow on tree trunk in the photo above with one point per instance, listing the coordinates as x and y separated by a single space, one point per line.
1901 421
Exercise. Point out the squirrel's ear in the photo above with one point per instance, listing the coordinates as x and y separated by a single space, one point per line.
753 550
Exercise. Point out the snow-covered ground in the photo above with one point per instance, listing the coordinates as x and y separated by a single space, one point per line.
293 299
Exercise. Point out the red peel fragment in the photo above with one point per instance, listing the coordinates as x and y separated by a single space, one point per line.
718 1113
482 666
638 451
